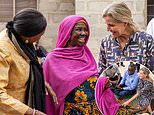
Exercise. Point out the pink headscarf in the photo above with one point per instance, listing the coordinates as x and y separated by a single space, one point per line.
67 68
105 98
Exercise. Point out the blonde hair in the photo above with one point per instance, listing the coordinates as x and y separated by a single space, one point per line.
147 72
120 13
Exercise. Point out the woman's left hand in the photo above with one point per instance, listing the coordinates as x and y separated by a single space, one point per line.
51 92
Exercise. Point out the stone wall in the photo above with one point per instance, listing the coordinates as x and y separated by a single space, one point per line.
54 11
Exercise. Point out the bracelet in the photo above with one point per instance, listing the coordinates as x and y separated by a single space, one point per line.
33 112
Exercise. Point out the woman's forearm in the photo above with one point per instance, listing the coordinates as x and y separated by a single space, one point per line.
134 97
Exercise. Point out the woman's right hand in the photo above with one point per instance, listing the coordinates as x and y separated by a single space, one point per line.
39 113
51 93
31 111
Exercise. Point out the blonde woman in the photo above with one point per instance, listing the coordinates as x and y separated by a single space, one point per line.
125 41
145 91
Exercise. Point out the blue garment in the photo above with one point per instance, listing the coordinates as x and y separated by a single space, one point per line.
139 48
122 93
130 81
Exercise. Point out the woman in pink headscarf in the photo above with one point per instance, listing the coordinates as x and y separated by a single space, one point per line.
105 98
71 70
106 101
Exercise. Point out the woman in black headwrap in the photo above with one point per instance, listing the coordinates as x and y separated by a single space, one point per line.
22 86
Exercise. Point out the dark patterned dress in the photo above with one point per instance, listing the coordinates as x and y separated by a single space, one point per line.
146 93
140 48
81 100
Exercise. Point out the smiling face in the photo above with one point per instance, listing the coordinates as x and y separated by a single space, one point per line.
116 28
79 35
142 75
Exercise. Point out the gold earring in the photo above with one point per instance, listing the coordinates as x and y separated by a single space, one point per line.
26 41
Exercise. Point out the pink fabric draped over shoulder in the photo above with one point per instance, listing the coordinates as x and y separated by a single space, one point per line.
66 68
105 98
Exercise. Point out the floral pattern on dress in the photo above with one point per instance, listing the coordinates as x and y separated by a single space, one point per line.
146 92
80 96
81 100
